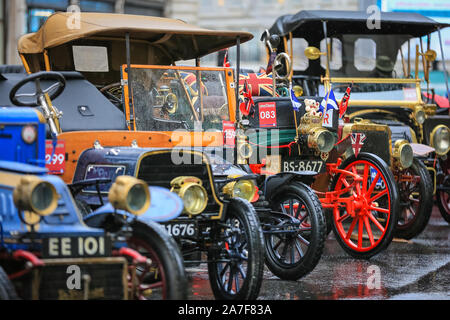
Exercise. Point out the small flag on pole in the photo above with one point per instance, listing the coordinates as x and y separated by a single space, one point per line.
270 62
344 101
246 105
327 108
329 102
226 62
295 103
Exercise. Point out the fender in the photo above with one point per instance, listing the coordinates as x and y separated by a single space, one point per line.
164 206
272 183
421 150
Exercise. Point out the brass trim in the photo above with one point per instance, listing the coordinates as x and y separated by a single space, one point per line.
363 112
413 135
375 103
370 80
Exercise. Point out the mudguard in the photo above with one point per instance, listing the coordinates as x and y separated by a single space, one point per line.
421 150
272 183
164 206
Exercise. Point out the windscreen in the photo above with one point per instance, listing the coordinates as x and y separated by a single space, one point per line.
381 92
373 56
168 97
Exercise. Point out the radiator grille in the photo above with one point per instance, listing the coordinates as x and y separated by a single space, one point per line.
160 169
377 142
107 279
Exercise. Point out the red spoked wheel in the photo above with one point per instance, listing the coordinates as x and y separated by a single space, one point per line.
367 205
164 277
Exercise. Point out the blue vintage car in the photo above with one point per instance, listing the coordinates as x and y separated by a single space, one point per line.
47 251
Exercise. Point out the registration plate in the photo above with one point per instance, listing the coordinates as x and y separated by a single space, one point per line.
55 157
181 229
380 183
303 165
74 247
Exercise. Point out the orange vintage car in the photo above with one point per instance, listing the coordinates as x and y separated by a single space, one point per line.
98 49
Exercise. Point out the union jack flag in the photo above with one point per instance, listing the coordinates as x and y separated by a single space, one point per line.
357 142
260 84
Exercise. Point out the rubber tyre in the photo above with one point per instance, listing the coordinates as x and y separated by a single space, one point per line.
423 214
441 197
394 205
154 236
7 291
241 211
316 237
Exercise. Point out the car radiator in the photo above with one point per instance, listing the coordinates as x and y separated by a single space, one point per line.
79 279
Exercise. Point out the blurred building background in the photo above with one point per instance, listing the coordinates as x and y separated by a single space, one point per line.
18 17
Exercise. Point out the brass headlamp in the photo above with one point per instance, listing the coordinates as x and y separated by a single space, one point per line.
440 139
129 194
35 195
318 137
403 153
419 114
245 189
194 195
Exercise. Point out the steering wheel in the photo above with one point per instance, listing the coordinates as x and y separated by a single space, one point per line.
113 92
56 88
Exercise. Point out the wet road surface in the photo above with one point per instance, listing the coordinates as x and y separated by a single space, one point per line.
415 269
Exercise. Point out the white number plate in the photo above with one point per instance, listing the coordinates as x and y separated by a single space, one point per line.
303 165
181 229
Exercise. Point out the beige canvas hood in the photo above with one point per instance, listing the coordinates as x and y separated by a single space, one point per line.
62 27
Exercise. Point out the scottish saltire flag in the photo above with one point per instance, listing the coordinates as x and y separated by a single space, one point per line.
329 102
327 107
295 103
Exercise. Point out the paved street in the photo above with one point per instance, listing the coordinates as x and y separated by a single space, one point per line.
415 269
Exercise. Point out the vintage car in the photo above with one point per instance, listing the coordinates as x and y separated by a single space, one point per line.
353 55
164 99
362 189
131 85
91 127
44 239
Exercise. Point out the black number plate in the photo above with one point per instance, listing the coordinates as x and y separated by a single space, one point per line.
73 247
303 165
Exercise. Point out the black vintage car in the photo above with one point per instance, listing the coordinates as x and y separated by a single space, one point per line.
386 90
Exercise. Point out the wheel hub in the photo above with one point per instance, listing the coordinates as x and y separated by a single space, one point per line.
361 205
